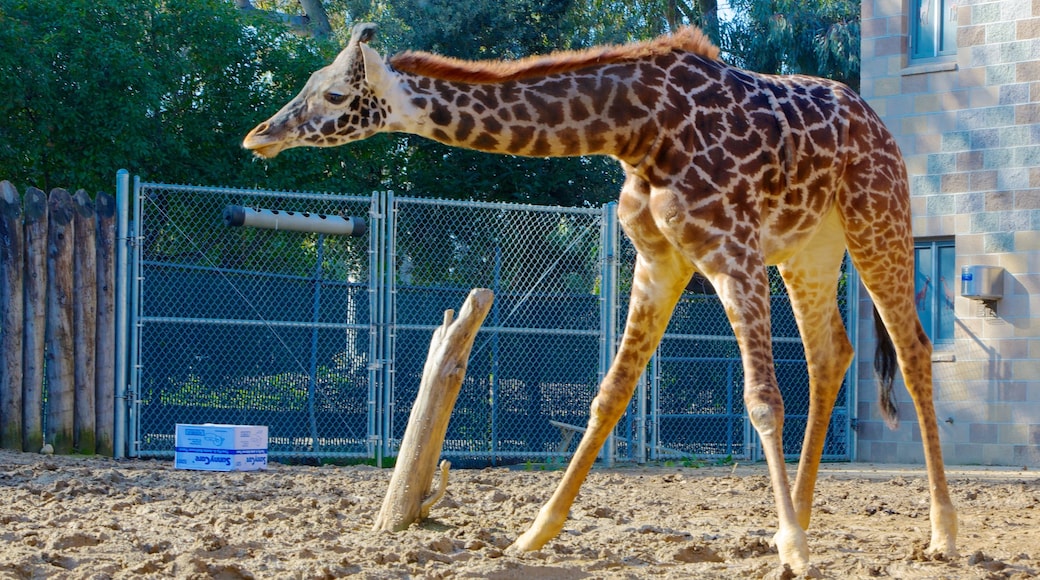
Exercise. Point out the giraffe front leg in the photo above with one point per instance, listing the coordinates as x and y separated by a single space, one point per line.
745 294
656 288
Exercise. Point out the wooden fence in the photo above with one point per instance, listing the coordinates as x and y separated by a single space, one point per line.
58 320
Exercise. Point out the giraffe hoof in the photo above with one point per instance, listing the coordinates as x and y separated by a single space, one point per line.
794 550
784 572
527 542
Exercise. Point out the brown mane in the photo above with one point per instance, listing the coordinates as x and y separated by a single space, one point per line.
688 39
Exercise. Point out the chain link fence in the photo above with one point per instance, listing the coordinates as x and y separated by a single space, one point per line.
323 337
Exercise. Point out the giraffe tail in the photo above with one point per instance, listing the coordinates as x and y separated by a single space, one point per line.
885 369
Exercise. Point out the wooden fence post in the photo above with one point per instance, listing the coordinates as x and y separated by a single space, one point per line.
105 363
410 484
35 229
84 322
12 257
60 373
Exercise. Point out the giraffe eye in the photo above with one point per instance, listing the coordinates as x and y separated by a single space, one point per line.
335 98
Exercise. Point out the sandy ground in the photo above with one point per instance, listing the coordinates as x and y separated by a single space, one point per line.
72 517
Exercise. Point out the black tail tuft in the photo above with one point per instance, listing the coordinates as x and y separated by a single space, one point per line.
885 369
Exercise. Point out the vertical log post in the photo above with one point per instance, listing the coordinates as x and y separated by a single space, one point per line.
428 423
12 256
105 363
60 377
35 230
84 322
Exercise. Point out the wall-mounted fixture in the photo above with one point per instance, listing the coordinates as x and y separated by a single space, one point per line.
982 282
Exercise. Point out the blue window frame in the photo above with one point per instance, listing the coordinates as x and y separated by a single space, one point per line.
935 286
933 28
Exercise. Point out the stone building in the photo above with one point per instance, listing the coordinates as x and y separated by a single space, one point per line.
958 83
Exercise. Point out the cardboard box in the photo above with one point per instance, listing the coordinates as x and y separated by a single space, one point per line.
220 447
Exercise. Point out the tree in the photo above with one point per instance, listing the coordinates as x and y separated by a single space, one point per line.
817 37
313 21
484 29
164 88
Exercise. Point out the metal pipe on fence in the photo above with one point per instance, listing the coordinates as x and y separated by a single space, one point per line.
273 219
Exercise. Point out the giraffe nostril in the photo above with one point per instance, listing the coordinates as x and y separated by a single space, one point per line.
261 128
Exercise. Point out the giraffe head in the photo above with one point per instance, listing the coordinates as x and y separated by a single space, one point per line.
342 102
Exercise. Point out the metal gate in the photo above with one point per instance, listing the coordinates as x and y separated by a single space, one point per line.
323 337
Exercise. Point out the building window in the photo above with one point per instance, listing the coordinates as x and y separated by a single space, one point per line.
933 28
935 287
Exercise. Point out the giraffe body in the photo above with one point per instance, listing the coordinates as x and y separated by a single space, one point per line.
727 171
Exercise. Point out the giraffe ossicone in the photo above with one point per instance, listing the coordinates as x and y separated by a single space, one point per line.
726 171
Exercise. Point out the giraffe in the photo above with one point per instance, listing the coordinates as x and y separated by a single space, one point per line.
726 171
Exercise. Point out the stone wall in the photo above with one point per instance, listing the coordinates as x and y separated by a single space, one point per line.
969 127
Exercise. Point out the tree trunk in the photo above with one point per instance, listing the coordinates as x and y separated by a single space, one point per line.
35 229
105 365
314 22
60 376
84 322
12 258
315 10
428 423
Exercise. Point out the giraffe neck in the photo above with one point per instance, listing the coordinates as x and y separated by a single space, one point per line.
583 113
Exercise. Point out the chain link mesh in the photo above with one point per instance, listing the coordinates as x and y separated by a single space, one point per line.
256 326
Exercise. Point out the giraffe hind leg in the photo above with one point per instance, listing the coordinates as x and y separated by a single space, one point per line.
811 277
887 271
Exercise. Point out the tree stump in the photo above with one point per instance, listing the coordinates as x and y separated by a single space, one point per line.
84 322
408 497
59 366
12 258
105 363
35 306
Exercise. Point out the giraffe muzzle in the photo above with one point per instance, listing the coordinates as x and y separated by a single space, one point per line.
261 143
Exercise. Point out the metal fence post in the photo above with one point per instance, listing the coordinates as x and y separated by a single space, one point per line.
122 279
390 321
852 375
608 302
377 238
133 394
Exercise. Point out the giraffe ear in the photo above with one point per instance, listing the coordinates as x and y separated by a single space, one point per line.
363 32
377 75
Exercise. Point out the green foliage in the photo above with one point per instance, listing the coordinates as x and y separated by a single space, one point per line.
485 29
815 37
166 89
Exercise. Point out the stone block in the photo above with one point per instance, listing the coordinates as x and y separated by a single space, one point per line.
983 433
985 13
998 74
998 32
1027 114
1014 94
999 242
888 45
1024 158
997 159
970 36
982 180
1028 199
1013 434
984 138
999 201
1024 29
972 160
939 163
954 183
